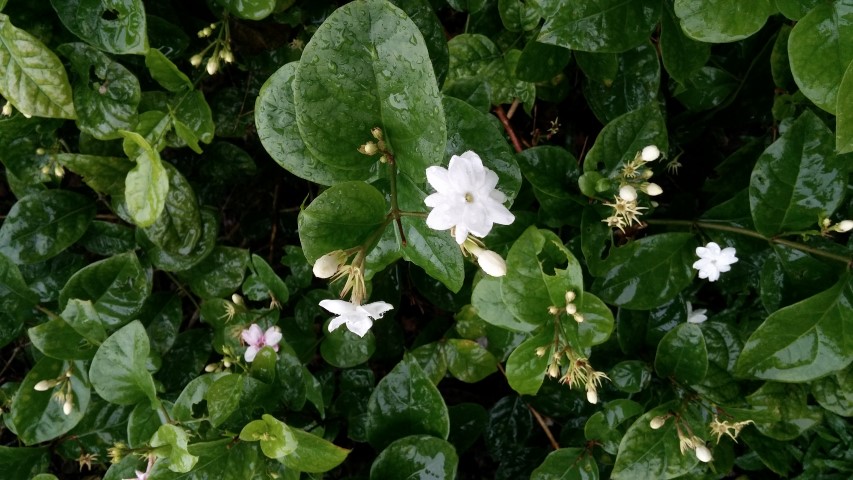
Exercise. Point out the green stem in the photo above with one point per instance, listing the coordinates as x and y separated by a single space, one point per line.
751 233
404 213
395 208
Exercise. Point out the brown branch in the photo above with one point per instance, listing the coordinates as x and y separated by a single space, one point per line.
499 111
539 418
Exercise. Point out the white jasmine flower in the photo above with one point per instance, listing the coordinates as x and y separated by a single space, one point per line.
465 198
628 193
358 318
695 316
713 261
650 153
257 339
703 454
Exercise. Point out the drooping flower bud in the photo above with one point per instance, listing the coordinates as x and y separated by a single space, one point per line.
628 193
844 226
653 189
44 385
571 309
7 109
703 454
212 66
376 132
196 59
570 296
591 396
578 317
540 351
237 299
68 406
492 263
657 422
554 370
228 56
650 153
328 264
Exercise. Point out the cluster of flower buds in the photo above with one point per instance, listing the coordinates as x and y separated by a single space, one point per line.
62 394
633 178
571 308
221 50
686 441
579 372
228 359
371 148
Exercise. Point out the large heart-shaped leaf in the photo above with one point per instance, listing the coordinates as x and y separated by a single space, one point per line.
115 26
720 21
599 25
416 456
118 370
625 136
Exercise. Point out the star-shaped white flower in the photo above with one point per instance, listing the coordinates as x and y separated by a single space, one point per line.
358 318
465 198
257 339
713 261
695 316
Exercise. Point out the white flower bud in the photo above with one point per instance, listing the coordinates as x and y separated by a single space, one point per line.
229 57
237 299
554 370
553 310
376 132
44 385
368 148
212 66
67 406
328 264
628 193
211 367
578 317
40 151
703 454
196 59
540 351
826 222
571 309
59 171
226 363
653 189
7 109
650 153
492 263
45 169
570 296
647 174
844 226
592 396
657 422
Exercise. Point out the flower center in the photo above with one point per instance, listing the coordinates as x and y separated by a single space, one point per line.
469 198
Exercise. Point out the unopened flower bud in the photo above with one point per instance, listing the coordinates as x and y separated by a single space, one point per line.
571 309
578 317
7 109
211 367
376 132
368 148
492 263
570 296
591 396
237 299
554 370
67 406
45 169
44 385
205 32
59 171
653 189
540 351
196 59
226 363
328 264
844 226
703 454
212 65
553 310
826 222
650 153
628 193
40 151
657 422
229 56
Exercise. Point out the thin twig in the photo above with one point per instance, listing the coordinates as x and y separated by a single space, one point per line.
499 111
538 416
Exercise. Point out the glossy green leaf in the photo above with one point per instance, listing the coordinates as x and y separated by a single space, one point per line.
682 354
178 227
22 463
192 113
37 415
541 62
647 453
416 456
785 413
470 6
635 84
218 274
345 349
170 442
804 341
631 376
376 54
552 171
510 425
264 365
821 48
16 301
790 275
487 301
600 25
432 360
41 225
106 94
404 403
621 140
467 422
313 454
115 26
797 178
721 21
540 270
118 370
249 9
32 78
596 327
566 464
608 426
468 361
474 56
275 117
147 184
340 218
117 286
648 272
291 376
187 356
795 9
142 424
844 110
525 369
103 174
277 439
232 397
192 394
835 392
166 73
275 285
55 338
518 15
681 55
217 459
424 15
174 261
706 88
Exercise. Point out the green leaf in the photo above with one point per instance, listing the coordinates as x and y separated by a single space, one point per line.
55 338
277 439
170 442
540 270
682 354
115 26
510 425
541 62
844 110
103 174
275 117
106 94
635 84
567 464
797 178
470 6
608 426
404 403
166 73
518 16
552 171
178 227
525 369
218 274
787 407
821 48
681 55
376 54
313 454
621 139
474 56
835 393
142 423
22 463
425 17
175 262
599 25
467 422
804 341
32 78
344 349
596 327
16 301
187 357
264 365
118 370
432 360
647 453
291 376
487 301
147 184
275 285
249 9
648 272
192 394
721 21
341 217
38 416
233 397
631 376
41 225
416 456
118 286
192 119
468 361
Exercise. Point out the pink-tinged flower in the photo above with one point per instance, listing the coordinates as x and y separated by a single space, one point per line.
358 318
257 339
465 198
144 475
713 261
